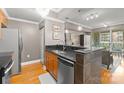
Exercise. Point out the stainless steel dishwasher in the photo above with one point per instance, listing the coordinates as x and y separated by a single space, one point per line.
65 72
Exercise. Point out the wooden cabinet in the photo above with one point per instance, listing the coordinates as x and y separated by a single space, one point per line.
51 63
55 65
46 60
3 19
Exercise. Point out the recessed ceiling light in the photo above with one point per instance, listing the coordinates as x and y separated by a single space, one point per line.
80 28
79 10
91 17
87 18
96 15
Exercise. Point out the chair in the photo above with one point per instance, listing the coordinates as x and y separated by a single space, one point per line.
107 58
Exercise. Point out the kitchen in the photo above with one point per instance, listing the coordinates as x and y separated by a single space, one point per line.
67 51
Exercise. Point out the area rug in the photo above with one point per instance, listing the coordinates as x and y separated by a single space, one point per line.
46 78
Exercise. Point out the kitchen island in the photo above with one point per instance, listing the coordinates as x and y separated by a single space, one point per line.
88 66
86 62
53 54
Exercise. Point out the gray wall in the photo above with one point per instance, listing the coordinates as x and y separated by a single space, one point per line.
49 33
73 36
31 39
74 27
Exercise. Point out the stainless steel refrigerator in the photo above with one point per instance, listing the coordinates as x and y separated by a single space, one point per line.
11 40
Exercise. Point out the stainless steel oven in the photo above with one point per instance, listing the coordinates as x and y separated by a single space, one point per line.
5 73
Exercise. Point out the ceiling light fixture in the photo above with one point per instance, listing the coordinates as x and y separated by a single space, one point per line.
92 16
96 15
43 11
66 31
87 18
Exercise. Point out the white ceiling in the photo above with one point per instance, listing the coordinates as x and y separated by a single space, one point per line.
109 16
106 16
24 13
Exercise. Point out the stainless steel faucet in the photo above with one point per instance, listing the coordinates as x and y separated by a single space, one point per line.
63 46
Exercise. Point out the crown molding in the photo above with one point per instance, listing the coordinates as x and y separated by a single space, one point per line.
79 24
62 21
54 19
17 19
22 20
112 24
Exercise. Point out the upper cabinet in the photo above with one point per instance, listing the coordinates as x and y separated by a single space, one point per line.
3 19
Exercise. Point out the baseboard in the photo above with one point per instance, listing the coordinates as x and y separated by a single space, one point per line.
30 62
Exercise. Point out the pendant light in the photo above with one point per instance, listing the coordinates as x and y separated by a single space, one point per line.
80 28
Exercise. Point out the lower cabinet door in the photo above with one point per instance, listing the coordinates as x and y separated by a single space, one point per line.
52 64
55 70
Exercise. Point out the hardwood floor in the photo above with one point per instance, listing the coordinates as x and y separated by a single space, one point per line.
106 76
117 77
28 75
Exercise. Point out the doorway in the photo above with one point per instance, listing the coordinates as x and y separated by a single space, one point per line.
42 31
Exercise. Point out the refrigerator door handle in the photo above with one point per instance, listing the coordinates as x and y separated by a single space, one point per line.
20 50
20 41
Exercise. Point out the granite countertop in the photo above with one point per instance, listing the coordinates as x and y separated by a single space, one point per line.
5 58
84 51
69 52
70 55
76 46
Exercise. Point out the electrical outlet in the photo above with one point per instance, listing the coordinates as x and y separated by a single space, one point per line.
28 56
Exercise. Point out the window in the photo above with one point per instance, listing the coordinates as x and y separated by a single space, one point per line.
104 37
117 37
117 40
113 42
